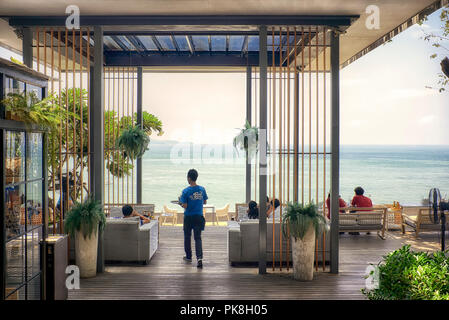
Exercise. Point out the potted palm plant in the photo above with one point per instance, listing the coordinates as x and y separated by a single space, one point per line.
134 142
83 222
304 224
247 140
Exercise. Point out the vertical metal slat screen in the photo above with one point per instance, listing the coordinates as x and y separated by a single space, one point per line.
64 56
120 97
298 128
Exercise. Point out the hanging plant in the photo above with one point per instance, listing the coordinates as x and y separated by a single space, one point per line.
133 142
247 139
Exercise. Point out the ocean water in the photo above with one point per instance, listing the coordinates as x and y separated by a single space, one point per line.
387 173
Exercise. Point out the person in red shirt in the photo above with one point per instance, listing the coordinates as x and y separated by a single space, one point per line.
341 203
360 200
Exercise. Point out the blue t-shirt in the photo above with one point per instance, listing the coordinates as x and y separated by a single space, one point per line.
194 197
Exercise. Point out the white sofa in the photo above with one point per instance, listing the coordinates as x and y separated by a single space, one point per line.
243 243
127 240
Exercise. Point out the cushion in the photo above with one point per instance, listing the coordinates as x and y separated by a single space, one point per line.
347 219
370 219
131 220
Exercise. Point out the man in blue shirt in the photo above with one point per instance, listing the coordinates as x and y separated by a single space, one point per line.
192 200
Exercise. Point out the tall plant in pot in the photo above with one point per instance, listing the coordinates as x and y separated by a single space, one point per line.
83 222
304 224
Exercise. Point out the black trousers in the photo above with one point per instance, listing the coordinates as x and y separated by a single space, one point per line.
195 223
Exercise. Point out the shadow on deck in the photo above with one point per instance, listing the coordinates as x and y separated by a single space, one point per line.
168 277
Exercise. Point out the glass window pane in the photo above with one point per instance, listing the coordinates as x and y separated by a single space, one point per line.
201 43
14 210
15 263
34 156
33 254
34 203
15 155
37 90
34 289
14 86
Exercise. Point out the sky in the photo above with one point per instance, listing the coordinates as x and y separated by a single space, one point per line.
385 98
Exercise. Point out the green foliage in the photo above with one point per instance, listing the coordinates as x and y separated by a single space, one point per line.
114 127
134 142
299 218
441 43
409 275
85 217
247 139
28 108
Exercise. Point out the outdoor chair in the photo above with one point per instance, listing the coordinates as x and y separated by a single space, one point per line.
222 213
169 213
240 211
356 219
418 219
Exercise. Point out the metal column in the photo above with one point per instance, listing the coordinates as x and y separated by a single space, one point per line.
140 122
335 147
27 47
97 134
263 60
248 118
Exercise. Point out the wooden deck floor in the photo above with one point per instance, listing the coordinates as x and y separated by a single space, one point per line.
167 277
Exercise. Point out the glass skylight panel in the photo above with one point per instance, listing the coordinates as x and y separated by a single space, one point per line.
166 43
218 43
147 42
236 43
111 44
253 43
125 41
182 43
201 43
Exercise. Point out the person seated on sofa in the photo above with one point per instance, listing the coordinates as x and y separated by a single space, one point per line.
276 205
341 203
360 200
253 210
129 212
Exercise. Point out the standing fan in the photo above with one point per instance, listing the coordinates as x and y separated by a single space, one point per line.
445 66
437 208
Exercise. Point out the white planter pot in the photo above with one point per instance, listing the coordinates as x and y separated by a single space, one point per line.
86 254
303 252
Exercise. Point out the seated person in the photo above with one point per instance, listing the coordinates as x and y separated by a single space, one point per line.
129 212
341 204
253 210
276 205
360 200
